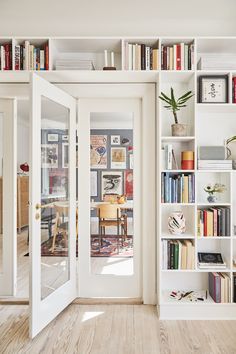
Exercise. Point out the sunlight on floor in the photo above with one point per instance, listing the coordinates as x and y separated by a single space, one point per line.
112 266
91 314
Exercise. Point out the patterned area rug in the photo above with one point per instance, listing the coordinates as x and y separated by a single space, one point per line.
109 247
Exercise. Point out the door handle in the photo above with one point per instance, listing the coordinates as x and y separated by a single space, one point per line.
38 206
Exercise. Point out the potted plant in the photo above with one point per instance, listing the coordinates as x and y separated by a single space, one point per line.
175 106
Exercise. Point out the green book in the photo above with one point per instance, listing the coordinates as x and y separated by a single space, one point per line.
176 255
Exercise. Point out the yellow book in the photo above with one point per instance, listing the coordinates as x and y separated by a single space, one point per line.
189 246
209 223
155 59
185 189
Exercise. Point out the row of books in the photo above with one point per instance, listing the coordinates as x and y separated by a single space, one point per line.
141 57
213 221
177 188
177 57
29 57
215 164
219 287
234 90
210 260
178 254
6 56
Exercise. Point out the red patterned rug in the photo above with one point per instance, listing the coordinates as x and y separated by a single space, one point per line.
109 247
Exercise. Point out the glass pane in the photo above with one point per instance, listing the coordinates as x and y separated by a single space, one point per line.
112 216
55 238
1 190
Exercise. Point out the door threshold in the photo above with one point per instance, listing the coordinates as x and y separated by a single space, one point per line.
107 301
14 301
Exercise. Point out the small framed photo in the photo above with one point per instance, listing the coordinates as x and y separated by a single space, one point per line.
93 183
115 139
213 89
49 155
65 137
52 137
65 155
118 157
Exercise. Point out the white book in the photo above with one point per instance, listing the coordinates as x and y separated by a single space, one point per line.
192 56
168 156
182 55
133 56
3 64
147 56
26 55
185 57
171 59
41 60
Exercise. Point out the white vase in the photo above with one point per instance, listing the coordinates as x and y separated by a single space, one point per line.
176 223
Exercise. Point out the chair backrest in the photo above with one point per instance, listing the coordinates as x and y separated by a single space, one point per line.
109 211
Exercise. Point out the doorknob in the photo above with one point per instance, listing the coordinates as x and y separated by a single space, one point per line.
37 216
38 206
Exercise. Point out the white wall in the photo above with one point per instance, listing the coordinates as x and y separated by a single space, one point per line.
116 18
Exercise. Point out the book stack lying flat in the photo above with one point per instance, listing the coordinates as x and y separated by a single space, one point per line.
74 64
210 260
215 164
6 56
177 188
178 254
219 287
141 57
169 161
217 61
214 221
177 57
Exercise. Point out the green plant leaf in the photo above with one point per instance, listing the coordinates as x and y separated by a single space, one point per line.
185 95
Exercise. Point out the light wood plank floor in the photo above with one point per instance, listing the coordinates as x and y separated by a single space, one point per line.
114 329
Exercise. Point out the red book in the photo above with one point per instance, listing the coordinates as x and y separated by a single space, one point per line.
205 222
165 58
7 56
46 51
178 57
234 90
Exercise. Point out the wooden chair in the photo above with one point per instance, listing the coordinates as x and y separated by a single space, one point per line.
110 215
61 226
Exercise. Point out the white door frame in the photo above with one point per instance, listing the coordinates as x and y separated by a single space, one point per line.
42 311
9 261
146 93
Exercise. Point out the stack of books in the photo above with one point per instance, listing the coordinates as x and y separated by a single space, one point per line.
169 161
178 254
215 164
74 64
29 57
212 61
177 188
6 56
141 57
210 260
213 221
219 287
177 57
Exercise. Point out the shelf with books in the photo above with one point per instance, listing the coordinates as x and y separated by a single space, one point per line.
86 53
178 188
173 154
210 247
177 54
178 254
6 55
140 54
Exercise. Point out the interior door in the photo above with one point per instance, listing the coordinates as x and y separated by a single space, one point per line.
110 259
52 202
7 197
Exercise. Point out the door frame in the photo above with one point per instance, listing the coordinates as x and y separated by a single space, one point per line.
146 93
9 188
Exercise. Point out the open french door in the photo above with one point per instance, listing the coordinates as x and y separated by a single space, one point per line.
52 202
7 197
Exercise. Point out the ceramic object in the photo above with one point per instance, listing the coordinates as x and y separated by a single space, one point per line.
176 223
179 129
211 198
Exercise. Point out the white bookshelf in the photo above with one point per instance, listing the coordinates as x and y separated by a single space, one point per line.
209 124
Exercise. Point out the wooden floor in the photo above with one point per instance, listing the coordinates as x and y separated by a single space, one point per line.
114 329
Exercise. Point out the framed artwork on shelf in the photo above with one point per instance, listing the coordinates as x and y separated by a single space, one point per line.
58 183
49 156
131 161
93 183
112 183
115 139
118 157
65 137
65 155
213 89
52 137
129 183
98 151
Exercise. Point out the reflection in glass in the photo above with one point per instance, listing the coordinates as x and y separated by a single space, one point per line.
1 191
54 196
111 176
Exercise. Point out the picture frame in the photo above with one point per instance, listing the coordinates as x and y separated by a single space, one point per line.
118 158
65 137
52 137
98 151
115 139
213 89
49 155
131 161
111 183
128 184
65 155
93 183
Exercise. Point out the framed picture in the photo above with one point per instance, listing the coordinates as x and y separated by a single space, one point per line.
112 183
98 151
115 139
58 182
65 137
213 89
49 156
129 184
93 183
118 157
65 155
52 137
131 161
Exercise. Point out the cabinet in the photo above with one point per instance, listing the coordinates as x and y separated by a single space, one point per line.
22 202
